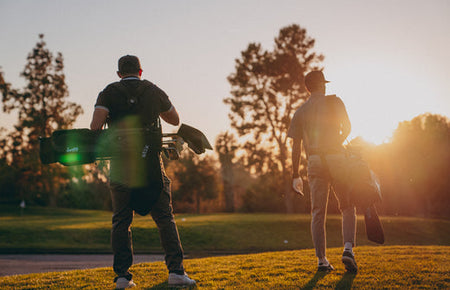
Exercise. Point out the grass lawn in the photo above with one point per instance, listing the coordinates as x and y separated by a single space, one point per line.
47 230
387 267
272 251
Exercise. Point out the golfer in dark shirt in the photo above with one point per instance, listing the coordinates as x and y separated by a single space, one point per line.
115 106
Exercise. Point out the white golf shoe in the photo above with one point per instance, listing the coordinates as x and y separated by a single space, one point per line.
123 283
177 280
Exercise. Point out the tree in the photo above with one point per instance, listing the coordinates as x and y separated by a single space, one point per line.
226 146
42 107
266 89
421 158
413 168
197 180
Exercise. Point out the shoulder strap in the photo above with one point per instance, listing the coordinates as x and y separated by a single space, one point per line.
132 99
331 101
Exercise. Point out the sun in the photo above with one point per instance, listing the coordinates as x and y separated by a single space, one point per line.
371 120
373 131
378 98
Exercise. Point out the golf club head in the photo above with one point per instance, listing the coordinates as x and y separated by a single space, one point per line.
195 139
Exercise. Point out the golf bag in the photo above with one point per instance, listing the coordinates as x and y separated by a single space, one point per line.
84 146
365 192
134 154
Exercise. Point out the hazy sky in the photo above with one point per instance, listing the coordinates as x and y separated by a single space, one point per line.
388 60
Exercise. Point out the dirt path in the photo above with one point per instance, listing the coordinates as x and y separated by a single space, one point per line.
26 264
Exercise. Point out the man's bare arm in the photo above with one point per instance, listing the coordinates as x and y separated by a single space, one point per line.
171 116
98 119
296 156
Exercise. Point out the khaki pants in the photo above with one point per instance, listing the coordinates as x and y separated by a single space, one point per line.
319 182
162 214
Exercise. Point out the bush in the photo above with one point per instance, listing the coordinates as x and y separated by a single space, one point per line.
82 195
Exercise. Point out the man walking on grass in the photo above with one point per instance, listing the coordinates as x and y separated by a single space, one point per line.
136 105
322 125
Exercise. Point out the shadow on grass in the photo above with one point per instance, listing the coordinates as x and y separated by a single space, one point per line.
159 286
312 283
346 282
164 285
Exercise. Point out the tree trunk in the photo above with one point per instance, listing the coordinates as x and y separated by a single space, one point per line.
53 193
227 179
286 183
288 195
197 201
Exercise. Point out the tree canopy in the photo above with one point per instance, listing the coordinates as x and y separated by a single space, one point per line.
42 107
266 89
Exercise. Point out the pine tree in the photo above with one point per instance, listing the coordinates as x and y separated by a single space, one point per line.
42 107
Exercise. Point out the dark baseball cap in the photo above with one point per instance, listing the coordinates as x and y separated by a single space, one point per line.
129 64
315 77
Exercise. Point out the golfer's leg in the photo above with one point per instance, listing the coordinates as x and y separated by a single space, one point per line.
348 212
121 229
162 214
349 225
337 164
319 201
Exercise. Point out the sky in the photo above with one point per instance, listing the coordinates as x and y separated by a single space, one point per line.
388 60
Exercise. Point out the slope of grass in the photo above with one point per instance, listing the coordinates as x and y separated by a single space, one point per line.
390 267
73 231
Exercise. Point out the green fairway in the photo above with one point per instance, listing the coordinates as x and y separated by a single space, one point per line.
416 254
390 267
74 231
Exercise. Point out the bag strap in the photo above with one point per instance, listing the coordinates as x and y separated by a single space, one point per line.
133 102
132 99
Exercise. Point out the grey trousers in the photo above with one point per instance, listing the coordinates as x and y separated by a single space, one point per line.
121 238
319 182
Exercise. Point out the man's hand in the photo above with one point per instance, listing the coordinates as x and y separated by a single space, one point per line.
297 185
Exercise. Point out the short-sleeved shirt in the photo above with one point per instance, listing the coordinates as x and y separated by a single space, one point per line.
319 122
151 100
128 165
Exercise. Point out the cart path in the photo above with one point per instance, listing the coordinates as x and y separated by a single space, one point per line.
41 263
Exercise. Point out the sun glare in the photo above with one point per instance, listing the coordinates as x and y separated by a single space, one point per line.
373 132
378 98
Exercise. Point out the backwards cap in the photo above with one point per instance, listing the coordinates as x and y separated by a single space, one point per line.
129 64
